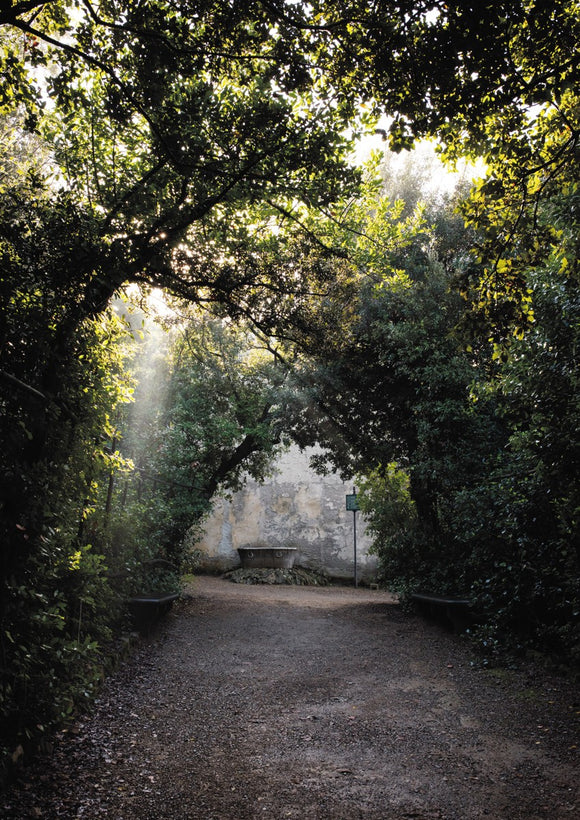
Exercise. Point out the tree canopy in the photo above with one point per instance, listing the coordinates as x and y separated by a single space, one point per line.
182 129
171 120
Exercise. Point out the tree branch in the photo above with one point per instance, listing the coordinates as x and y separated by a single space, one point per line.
10 16
96 63
293 218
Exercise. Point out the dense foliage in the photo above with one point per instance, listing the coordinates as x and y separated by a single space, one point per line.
55 423
209 412
468 460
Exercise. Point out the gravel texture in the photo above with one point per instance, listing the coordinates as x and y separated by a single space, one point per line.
319 703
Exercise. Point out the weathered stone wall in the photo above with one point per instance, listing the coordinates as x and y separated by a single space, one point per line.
293 508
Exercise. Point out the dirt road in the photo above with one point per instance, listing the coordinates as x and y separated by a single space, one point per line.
312 703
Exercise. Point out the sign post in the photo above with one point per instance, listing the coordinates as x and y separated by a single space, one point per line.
352 505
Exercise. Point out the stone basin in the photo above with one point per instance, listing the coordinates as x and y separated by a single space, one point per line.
267 557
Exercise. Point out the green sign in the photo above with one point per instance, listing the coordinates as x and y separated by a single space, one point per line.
352 502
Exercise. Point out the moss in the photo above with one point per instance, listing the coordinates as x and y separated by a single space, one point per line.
291 577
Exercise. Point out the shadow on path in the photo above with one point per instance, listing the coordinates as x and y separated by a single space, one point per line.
311 703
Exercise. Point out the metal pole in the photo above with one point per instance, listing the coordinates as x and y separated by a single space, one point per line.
354 529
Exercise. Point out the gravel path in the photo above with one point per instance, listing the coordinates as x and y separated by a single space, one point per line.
312 703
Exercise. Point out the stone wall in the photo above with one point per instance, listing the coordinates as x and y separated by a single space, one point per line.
293 508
